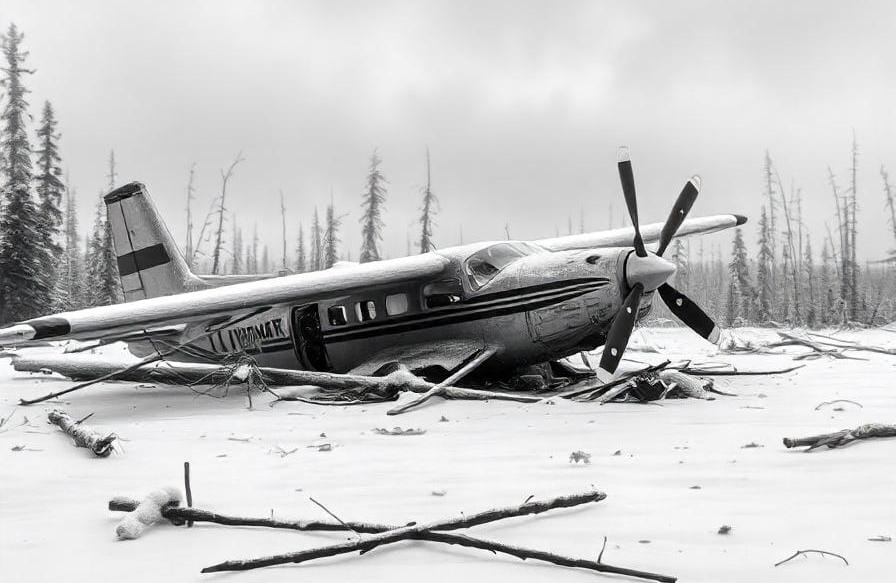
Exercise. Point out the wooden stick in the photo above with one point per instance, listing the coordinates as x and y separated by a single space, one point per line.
405 533
83 435
439 389
179 515
188 490
525 553
842 437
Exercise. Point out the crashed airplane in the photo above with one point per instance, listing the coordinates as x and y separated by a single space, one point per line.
490 307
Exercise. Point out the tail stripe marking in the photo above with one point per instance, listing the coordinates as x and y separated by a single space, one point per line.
142 259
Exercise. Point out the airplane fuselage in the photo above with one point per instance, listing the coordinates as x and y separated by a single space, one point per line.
541 306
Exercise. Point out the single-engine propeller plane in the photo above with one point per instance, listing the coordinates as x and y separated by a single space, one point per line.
492 307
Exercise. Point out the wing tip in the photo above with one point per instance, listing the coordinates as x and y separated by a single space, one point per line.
740 219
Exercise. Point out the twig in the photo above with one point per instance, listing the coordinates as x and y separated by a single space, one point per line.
339 520
803 552
188 490
822 404
524 553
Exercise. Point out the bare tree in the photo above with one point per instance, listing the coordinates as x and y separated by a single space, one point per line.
888 192
283 219
190 197
225 178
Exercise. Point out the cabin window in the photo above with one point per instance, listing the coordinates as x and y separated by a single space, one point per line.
337 316
365 310
443 293
396 304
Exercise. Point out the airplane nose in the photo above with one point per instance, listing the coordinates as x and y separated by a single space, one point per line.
651 271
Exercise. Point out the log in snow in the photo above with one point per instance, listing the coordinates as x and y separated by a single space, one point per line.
83 435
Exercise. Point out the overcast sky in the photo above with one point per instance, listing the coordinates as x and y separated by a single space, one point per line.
522 104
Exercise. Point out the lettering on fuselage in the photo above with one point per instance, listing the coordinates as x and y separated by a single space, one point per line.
252 338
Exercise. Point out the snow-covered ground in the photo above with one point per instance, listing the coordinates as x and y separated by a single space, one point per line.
682 473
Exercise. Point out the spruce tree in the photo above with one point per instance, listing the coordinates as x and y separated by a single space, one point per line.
739 273
301 258
764 267
682 264
68 293
809 268
430 205
48 181
25 289
331 237
316 242
373 199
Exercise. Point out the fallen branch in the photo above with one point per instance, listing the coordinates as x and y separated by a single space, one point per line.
525 553
83 435
413 531
440 388
179 515
712 372
804 552
843 437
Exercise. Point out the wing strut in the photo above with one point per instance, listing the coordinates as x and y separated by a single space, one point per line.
480 357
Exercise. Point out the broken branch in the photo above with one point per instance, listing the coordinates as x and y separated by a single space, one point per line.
843 437
83 435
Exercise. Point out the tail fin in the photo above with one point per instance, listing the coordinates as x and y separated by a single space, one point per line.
149 262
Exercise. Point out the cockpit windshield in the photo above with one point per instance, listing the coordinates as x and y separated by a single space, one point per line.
481 267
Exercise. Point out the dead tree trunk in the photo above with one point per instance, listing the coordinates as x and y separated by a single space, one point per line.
225 177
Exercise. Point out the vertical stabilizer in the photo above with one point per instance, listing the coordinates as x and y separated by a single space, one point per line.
149 263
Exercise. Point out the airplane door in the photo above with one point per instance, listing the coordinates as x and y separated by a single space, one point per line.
308 339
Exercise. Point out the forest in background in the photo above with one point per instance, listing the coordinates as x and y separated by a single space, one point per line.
47 264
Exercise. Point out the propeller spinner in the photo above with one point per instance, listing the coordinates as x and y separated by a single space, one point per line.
645 272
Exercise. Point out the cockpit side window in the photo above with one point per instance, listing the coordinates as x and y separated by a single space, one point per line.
482 266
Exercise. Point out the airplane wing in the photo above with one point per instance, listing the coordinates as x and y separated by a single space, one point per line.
220 303
650 233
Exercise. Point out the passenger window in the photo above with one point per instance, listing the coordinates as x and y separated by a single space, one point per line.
396 304
442 293
337 316
365 310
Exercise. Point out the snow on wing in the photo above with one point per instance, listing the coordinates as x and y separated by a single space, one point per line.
234 300
650 233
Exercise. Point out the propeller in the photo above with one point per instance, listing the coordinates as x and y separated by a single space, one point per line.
645 272
679 212
627 177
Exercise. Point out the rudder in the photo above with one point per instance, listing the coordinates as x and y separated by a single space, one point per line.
149 263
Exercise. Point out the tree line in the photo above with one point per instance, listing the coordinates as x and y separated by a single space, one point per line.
46 265
786 282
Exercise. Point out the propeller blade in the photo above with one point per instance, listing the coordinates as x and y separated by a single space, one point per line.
627 177
621 330
679 212
689 313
